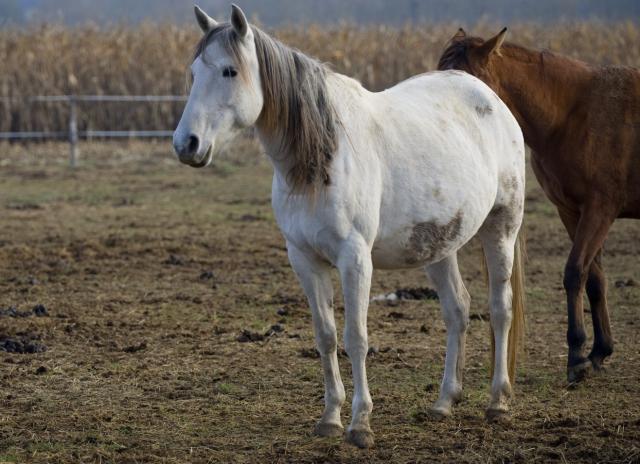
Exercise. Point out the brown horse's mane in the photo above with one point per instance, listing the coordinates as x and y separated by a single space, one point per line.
456 51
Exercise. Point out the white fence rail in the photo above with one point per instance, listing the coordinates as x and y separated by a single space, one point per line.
73 135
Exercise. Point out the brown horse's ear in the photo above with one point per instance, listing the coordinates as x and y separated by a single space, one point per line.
494 43
460 35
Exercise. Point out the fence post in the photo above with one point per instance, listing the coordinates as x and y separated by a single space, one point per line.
73 131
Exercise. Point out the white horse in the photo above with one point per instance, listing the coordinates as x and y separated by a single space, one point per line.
397 179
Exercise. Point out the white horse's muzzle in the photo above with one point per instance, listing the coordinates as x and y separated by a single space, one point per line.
189 152
198 162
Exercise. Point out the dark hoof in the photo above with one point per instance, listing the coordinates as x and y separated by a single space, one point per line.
598 365
438 414
597 362
497 416
361 438
579 372
323 429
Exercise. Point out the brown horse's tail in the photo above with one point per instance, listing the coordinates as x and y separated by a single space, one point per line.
516 333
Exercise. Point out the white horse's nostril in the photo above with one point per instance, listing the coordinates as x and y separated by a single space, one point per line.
193 145
186 148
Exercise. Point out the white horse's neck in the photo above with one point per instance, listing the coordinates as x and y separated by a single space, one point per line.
344 93
282 162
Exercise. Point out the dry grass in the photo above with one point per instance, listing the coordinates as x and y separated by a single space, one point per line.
95 245
152 59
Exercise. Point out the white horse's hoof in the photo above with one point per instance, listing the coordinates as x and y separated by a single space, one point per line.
438 413
497 415
327 429
360 438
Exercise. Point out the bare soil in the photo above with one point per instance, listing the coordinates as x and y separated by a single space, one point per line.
174 329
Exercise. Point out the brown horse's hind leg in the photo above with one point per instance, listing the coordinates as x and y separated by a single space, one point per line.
590 233
597 293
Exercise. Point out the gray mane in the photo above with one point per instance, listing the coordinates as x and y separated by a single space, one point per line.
297 108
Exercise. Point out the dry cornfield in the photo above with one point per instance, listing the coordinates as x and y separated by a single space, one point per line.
152 59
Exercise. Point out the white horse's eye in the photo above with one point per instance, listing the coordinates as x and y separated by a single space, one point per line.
229 72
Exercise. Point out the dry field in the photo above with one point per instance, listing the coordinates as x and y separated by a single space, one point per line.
175 331
153 59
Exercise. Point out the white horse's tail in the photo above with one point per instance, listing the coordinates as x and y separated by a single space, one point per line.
517 331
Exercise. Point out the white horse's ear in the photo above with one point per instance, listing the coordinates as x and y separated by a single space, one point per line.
239 21
494 43
205 22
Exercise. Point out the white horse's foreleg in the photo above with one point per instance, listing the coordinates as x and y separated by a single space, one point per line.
315 277
454 301
499 254
355 269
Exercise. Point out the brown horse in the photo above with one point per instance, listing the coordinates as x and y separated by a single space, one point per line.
583 125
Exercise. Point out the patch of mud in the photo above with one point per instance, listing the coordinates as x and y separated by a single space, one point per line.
135 348
250 336
174 260
251 218
27 281
419 293
626 283
125 201
41 370
24 206
274 329
309 353
423 293
23 344
430 239
38 311
397 315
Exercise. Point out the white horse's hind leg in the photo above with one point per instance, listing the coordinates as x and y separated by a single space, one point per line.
355 272
454 301
498 241
315 277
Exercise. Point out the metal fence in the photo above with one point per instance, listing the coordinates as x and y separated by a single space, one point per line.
73 135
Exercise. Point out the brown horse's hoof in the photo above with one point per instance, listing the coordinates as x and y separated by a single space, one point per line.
579 372
597 363
598 366
324 429
497 416
361 438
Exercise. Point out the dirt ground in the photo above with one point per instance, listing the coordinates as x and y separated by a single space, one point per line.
173 329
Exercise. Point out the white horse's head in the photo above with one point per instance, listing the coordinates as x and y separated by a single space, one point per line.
226 94
243 77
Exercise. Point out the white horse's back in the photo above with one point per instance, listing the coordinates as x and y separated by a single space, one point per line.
433 155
